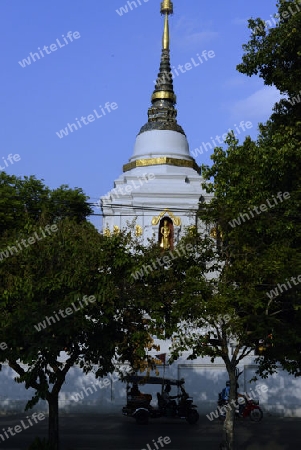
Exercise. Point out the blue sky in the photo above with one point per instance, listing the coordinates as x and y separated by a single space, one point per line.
114 58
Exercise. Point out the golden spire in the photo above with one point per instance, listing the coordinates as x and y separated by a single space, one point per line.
162 114
166 8
165 40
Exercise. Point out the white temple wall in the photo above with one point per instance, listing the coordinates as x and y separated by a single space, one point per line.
203 381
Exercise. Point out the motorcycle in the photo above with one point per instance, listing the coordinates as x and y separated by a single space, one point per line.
250 409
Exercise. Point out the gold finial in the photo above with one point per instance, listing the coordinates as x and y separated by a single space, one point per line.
166 8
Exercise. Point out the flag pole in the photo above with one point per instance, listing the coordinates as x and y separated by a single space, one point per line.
162 358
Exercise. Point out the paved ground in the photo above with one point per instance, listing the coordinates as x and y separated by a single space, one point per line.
113 431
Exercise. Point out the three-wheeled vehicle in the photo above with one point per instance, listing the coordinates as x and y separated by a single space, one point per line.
138 404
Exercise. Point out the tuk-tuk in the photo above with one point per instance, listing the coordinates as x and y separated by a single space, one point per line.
138 404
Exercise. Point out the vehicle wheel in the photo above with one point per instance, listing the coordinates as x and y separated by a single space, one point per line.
142 417
192 417
256 415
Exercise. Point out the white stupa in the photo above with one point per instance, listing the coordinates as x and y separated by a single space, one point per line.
161 183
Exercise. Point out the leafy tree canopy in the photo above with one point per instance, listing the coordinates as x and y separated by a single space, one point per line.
66 295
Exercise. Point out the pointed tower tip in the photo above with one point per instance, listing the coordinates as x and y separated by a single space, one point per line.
166 7
162 114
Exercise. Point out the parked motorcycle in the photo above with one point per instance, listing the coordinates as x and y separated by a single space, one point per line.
250 409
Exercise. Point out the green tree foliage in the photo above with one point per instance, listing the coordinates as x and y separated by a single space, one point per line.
65 298
222 295
253 228
189 299
161 277
275 54
25 201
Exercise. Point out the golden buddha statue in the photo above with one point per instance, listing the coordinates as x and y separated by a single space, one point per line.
165 231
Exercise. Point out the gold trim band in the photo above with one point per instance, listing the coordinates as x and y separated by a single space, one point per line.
160 161
164 95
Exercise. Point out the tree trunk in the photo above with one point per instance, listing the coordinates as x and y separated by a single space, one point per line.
53 423
228 429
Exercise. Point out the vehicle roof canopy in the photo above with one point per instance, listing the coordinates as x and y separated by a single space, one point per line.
139 379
